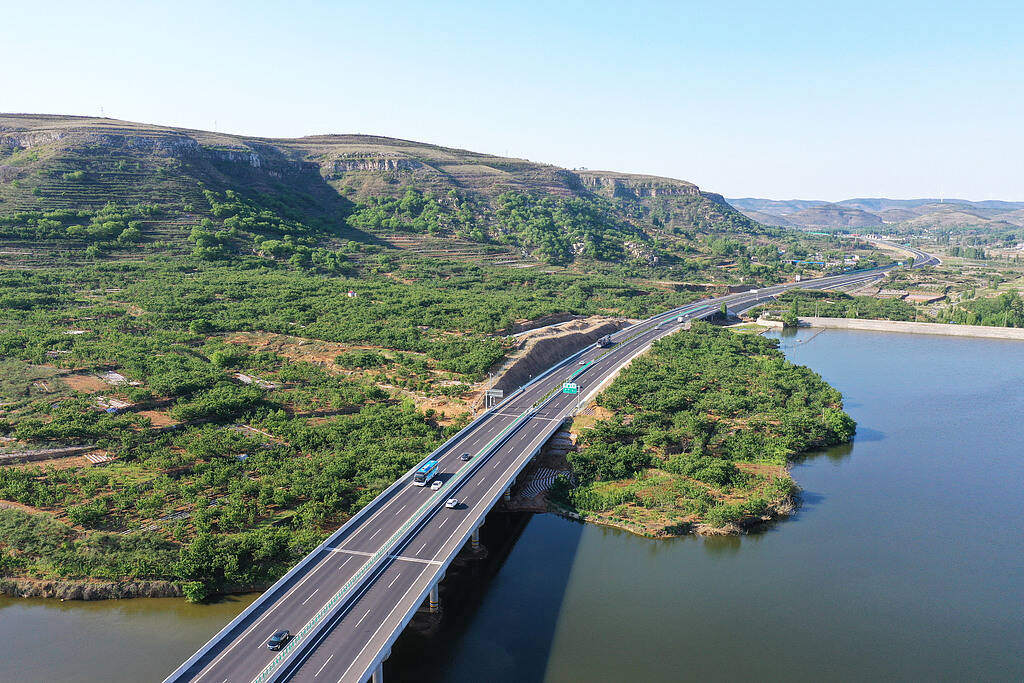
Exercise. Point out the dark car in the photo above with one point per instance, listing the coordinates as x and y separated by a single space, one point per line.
465 456
278 640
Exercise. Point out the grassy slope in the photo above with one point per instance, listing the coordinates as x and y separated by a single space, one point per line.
49 162
169 307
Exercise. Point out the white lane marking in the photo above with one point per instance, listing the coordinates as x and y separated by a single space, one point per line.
362 617
270 611
390 557
310 595
402 508
421 548
321 668
365 524
394 579
360 654
442 522
375 533
345 562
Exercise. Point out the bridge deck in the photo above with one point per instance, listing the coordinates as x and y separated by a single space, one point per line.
358 634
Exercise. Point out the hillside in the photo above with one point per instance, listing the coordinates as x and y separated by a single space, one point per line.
834 215
372 190
907 215
214 349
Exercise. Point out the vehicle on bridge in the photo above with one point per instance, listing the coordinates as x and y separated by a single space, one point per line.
426 473
278 640
451 503
605 341
436 485
465 456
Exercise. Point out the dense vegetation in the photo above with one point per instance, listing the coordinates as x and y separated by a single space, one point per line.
808 302
232 505
1004 310
701 429
203 269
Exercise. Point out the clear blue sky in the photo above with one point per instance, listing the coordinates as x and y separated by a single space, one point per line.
780 99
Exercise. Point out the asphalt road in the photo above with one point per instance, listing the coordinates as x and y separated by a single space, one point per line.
379 609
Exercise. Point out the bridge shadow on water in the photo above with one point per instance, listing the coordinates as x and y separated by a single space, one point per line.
499 613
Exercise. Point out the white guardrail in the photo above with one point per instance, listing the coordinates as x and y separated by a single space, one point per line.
384 551
181 672
453 487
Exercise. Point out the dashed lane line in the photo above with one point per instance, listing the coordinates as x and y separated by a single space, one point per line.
407 558
322 666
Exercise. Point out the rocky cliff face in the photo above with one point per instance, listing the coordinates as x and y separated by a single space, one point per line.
627 186
128 163
369 163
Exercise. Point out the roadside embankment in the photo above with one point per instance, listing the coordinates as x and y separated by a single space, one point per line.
548 346
906 327
88 590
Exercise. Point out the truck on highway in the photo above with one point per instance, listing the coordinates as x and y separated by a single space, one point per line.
605 341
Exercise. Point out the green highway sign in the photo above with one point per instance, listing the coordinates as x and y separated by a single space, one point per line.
570 388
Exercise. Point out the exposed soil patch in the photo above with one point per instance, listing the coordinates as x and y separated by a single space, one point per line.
10 504
157 418
85 383
314 351
540 350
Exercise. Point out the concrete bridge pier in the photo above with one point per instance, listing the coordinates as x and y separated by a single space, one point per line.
378 673
508 494
474 540
435 599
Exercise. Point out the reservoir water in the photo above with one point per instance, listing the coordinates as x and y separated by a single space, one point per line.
904 562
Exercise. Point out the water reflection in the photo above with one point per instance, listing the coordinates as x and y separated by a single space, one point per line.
722 545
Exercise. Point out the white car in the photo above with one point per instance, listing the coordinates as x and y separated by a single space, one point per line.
452 503
436 485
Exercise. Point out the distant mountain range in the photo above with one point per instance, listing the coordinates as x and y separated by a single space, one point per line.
878 212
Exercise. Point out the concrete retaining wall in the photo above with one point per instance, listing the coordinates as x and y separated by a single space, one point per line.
908 327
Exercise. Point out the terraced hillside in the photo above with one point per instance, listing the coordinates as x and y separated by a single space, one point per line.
343 187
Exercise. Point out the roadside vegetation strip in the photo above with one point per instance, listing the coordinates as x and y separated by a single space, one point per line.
384 551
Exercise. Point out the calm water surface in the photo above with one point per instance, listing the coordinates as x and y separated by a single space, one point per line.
905 562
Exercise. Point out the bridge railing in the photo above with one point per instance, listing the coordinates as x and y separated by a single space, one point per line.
378 557
181 672
439 570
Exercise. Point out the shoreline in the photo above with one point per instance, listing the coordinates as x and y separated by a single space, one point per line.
943 329
777 512
88 590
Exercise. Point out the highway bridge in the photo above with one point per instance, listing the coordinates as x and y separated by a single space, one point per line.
348 601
